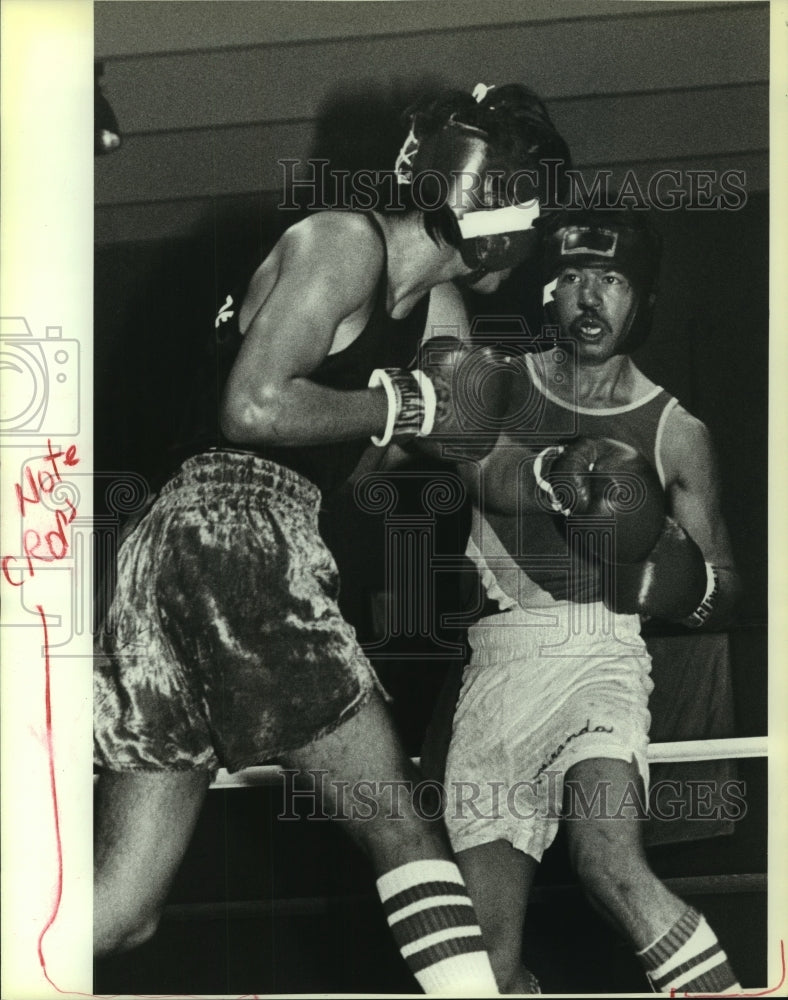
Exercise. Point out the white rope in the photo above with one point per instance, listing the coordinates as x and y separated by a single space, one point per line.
735 748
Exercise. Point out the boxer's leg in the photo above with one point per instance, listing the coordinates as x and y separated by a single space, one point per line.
143 824
426 903
499 879
676 946
607 853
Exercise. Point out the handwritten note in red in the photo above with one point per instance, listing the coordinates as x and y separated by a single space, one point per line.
40 545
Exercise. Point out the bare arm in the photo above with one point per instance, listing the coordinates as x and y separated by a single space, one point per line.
447 315
674 581
324 284
694 499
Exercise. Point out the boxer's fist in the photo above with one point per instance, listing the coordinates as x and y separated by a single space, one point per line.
657 569
591 478
471 385
670 583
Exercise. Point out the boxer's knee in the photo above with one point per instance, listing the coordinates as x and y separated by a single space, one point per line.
396 823
611 870
370 781
143 823
118 930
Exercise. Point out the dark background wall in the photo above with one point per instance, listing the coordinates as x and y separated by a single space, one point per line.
209 96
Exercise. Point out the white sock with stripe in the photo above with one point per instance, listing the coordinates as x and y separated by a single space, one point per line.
689 959
434 924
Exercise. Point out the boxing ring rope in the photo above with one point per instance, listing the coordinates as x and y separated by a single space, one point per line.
733 748
297 906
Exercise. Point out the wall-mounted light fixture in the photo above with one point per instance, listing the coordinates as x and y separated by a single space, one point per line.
105 125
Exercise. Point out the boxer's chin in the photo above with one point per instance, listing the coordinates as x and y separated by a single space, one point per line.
473 278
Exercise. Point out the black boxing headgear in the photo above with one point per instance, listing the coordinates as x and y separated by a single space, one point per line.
622 241
492 193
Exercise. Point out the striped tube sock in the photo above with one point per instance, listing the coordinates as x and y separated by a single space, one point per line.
434 924
689 959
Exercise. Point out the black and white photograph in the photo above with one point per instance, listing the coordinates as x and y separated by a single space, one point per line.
390 551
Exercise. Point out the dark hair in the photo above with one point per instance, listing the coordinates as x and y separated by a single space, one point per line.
514 123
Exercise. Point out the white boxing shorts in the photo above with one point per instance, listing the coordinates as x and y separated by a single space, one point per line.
544 689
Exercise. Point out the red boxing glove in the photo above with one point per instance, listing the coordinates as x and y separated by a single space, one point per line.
655 568
605 481
671 583
472 385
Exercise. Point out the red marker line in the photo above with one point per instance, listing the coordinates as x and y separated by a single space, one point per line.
53 792
59 846
749 993
58 842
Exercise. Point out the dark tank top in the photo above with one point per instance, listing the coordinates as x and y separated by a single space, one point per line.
384 342
542 542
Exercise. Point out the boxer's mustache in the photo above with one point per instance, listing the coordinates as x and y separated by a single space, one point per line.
588 316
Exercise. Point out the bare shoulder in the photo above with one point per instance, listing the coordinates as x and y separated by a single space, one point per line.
316 265
687 447
325 265
340 242
330 256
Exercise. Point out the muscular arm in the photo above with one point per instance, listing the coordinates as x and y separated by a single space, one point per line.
446 317
673 579
694 502
676 532
324 280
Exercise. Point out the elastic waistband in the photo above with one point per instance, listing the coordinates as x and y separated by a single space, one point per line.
518 626
221 467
